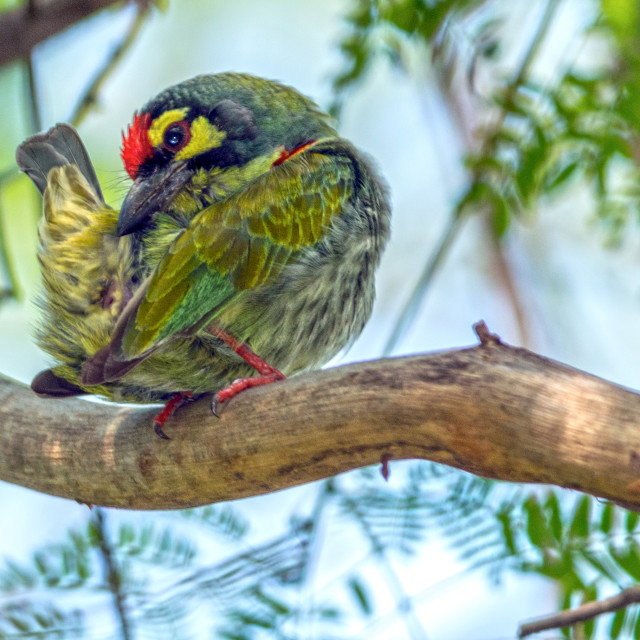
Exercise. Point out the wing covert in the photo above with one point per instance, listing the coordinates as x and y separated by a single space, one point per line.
239 244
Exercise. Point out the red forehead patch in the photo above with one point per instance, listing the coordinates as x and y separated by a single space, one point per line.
136 147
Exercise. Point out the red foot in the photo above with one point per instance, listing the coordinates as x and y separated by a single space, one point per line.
268 374
169 409
240 385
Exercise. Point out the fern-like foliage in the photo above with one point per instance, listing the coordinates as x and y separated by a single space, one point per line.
582 125
388 27
24 619
589 548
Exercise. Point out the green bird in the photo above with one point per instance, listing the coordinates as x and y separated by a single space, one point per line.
253 231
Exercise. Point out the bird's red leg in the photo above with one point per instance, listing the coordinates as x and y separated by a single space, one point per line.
268 374
170 408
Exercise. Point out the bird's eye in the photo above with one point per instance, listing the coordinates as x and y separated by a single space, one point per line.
176 136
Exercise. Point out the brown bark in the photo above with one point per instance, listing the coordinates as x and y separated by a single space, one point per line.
23 28
492 410
582 613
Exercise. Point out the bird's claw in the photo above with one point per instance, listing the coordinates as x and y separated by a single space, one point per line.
157 427
170 408
216 403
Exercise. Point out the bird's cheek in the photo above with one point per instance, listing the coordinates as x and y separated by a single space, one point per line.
204 137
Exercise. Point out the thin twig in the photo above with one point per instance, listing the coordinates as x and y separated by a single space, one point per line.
411 307
90 96
33 102
14 290
509 285
438 256
112 573
584 612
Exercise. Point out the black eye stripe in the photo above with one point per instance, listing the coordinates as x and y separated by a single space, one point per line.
176 136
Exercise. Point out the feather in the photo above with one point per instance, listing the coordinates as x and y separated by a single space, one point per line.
59 146
49 385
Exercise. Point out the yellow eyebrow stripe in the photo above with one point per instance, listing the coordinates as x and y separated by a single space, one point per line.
204 135
156 130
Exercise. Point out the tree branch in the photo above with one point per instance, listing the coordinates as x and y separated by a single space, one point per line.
493 410
584 612
23 28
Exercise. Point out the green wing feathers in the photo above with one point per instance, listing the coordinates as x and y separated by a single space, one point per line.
238 244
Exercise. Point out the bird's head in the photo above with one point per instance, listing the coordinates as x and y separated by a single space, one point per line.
206 125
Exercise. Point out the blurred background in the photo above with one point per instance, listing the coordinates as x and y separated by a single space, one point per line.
508 133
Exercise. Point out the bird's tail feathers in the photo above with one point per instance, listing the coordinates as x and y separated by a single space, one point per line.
48 384
59 146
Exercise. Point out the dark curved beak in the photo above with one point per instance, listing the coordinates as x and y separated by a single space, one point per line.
150 194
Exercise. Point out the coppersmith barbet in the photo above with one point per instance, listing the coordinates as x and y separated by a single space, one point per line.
251 235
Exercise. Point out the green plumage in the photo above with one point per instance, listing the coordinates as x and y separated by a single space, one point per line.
270 228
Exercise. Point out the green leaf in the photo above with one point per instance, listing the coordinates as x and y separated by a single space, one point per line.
622 16
504 518
254 620
330 613
500 219
631 521
588 627
146 536
126 534
606 521
627 560
277 606
636 629
361 595
552 508
580 522
562 176
537 530
590 594
617 623
18 622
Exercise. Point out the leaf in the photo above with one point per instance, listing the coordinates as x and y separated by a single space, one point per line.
361 595
606 521
627 560
562 176
500 218
537 530
277 606
580 522
254 620
622 16
631 521
617 623
504 518
552 508
636 629
590 594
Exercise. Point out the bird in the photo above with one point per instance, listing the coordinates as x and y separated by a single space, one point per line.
251 236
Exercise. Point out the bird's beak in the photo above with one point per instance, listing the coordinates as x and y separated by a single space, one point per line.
151 194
